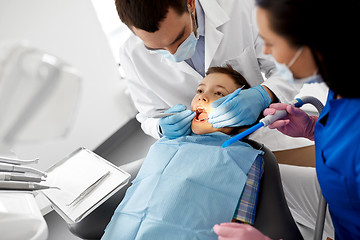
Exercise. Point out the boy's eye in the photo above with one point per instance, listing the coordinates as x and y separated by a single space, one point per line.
199 91
219 94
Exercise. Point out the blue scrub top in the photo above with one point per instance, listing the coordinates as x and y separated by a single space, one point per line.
337 144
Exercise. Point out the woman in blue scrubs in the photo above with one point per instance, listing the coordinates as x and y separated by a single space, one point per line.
312 41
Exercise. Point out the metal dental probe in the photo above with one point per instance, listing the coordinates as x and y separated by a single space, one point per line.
15 168
161 115
24 186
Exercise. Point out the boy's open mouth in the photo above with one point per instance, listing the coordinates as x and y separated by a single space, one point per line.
201 114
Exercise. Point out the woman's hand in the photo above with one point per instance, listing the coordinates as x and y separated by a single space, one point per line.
296 124
236 231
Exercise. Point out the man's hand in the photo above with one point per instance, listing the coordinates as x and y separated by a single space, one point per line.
179 124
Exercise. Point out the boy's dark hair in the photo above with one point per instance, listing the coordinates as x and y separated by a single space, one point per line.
147 14
228 70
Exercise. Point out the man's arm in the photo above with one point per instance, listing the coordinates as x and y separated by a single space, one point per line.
271 94
145 101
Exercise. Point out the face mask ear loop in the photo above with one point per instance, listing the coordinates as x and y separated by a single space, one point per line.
293 60
193 20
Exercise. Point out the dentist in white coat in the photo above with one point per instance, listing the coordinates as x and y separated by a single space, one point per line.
173 45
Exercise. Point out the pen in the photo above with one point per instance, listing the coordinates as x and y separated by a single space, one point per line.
15 168
25 186
13 177
16 161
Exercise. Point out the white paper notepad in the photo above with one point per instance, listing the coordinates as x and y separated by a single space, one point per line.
86 180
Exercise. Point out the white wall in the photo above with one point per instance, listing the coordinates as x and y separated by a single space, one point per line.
70 30
116 31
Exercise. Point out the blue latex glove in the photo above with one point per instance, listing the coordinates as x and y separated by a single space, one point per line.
242 110
179 124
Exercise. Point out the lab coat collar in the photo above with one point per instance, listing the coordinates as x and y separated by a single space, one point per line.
215 16
214 13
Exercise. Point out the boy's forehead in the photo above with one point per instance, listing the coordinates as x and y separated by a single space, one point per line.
218 79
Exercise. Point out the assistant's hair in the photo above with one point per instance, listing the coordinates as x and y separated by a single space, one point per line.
328 28
147 14
235 75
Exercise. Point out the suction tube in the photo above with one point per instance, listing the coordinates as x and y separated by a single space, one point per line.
266 121
299 102
242 134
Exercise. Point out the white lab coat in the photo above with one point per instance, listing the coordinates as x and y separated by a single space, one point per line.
231 36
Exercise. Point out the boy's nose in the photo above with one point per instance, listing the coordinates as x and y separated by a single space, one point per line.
203 98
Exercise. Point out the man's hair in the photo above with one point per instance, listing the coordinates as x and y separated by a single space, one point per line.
147 14
228 70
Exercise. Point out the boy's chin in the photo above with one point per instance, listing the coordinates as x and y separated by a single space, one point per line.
202 130
199 130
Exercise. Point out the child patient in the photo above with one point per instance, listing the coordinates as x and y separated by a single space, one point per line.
188 184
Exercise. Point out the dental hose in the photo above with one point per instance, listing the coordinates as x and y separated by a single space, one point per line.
299 102
269 119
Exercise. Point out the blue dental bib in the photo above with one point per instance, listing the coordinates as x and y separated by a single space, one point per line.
184 187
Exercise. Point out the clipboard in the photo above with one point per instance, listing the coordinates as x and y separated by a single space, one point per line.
86 180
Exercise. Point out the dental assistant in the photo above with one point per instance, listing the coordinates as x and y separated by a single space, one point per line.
312 44
175 42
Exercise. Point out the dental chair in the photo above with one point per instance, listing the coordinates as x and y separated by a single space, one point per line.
273 217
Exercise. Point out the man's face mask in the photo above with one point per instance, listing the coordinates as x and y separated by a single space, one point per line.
285 72
185 51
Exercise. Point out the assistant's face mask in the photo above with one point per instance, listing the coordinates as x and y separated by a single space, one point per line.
285 72
185 51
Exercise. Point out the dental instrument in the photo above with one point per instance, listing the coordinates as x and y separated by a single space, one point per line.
233 95
17 161
16 177
266 121
230 97
24 186
161 115
5 167
88 190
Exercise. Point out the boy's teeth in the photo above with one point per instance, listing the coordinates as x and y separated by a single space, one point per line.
200 120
